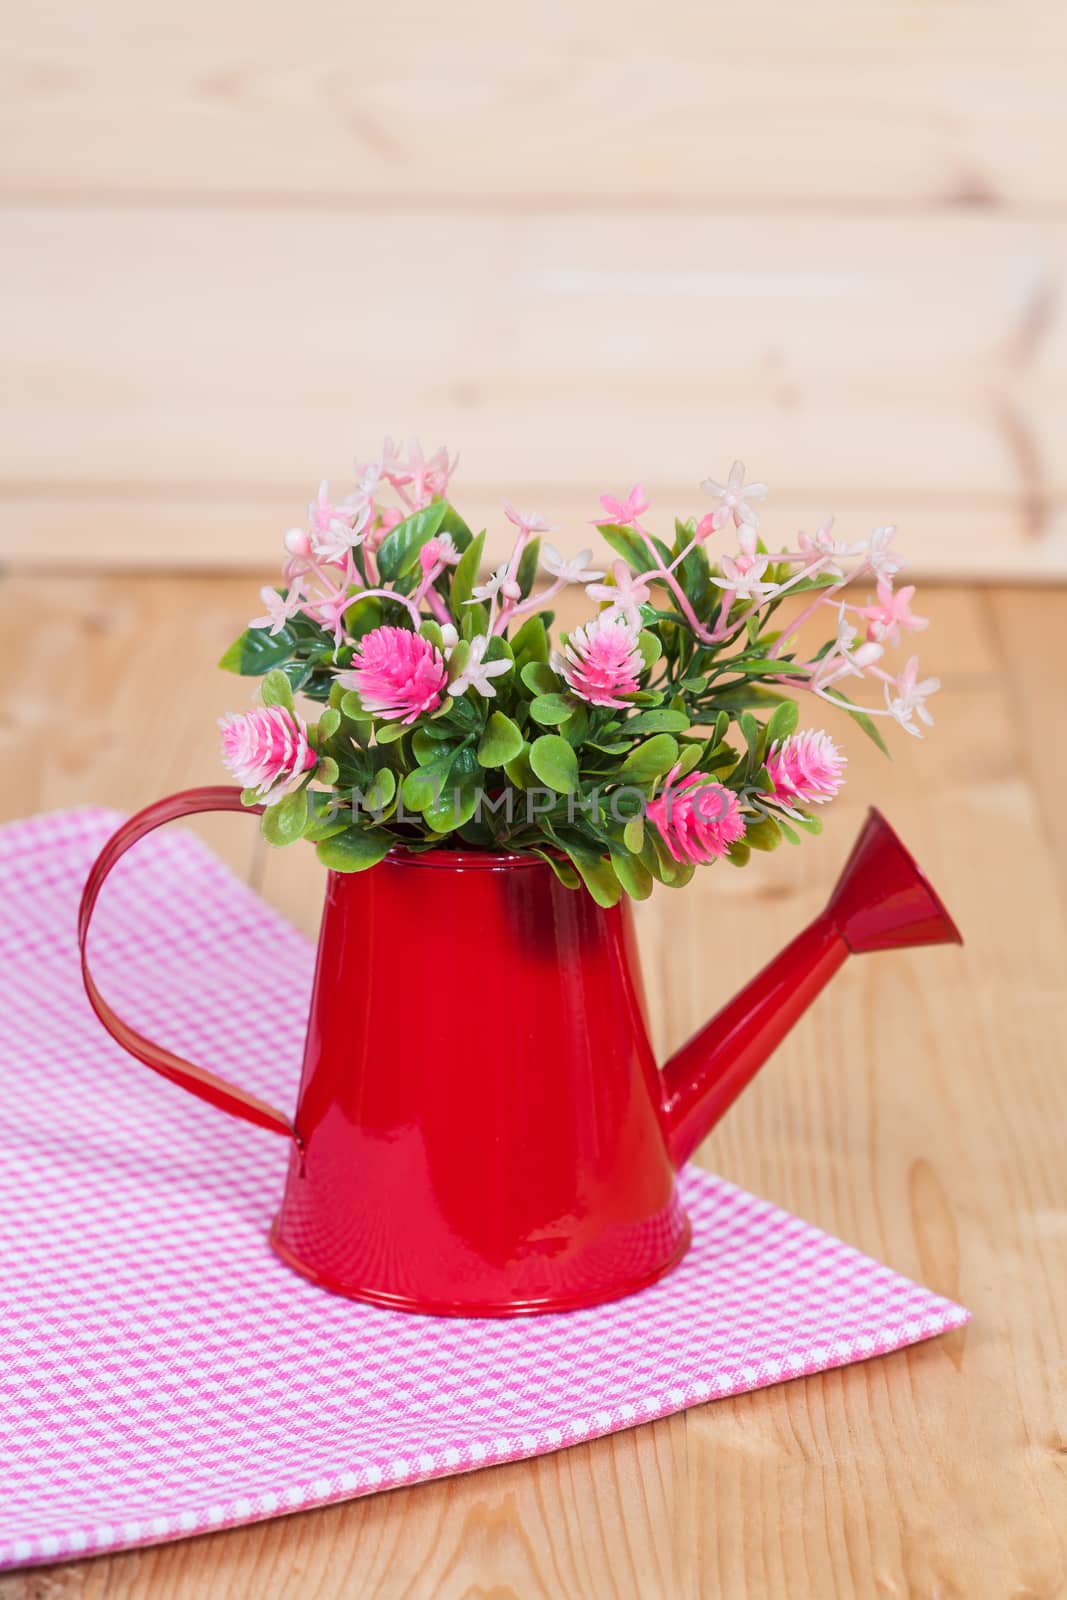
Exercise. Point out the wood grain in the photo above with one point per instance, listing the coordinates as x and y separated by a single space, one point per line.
871 105
177 381
917 1111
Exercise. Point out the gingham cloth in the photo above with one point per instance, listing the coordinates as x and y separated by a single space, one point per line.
162 1373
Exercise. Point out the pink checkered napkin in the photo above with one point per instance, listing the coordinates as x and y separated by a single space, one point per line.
161 1373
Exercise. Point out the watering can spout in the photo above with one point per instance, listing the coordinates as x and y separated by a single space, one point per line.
882 901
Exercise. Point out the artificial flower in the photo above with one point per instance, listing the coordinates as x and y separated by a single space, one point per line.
906 697
439 551
527 522
498 584
625 597
697 819
574 570
743 573
281 608
397 674
883 562
477 672
891 612
266 750
806 767
602 661
625 512
733 497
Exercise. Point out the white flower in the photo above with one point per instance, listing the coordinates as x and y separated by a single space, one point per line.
477 672
822 546
576 570
845 658
280 608
449 635
499 583
906 698
883 562
341 534
733 497
743 574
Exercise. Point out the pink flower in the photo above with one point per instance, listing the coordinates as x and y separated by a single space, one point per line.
698 819
806 767
733 497
891 613
527 522
266 750
624 597
601 660
625 512
396 673
438 552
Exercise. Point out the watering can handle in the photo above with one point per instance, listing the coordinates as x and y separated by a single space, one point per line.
216 1091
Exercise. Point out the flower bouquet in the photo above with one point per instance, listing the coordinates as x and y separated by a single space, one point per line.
660 734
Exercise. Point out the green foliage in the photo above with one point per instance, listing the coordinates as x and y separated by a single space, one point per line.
533 767
555 763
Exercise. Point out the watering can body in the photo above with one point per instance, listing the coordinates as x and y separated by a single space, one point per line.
481 1128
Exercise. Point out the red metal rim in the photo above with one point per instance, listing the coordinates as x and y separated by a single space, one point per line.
461 860
518 1308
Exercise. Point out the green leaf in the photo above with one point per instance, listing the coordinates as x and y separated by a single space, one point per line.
257 651
501 742
551 709
528 567
276 690
399 550
464 576
633 835
632 874
354 850
662 721
628 544
763 835
650 648
599 877
452 523
381 792
390 732
519 770
566 874
327 772
363 615
530 644
329 722
538 678
650 760
555 763
284 823
781 723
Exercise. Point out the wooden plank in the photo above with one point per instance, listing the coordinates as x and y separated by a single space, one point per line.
1026 633
916 1111
155 367
155 529
874 105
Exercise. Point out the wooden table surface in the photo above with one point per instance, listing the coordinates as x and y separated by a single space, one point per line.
918 1112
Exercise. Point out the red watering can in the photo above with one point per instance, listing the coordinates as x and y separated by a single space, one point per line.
481 1127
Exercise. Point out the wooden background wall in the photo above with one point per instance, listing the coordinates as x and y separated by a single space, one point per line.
583 241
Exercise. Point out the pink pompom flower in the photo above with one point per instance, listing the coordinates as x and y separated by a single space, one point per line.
602 660
396 673
267 750
698 819
806 767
